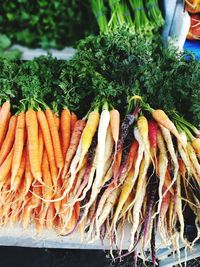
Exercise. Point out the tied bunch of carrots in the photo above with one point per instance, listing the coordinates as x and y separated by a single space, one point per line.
99 175
33 145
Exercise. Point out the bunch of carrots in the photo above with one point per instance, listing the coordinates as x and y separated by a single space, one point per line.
100 174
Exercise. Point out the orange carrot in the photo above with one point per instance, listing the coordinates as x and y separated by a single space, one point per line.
33 148
73 121
47 192
5 129
161 117
57 121
28 174
6 166
48 145
114 124
65 128
26 215
40 146
18 145
4 114
58 194
30 207
50 216
55 139
132 154
9 140
20 173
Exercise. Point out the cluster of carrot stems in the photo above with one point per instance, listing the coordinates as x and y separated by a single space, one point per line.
137 15
101 175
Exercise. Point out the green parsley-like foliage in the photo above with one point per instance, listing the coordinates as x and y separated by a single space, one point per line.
8 75
46 23
119 64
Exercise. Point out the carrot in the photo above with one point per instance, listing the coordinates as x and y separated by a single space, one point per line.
124 130
136 214
57 195
161 117
20 173
40 146
55 139
184 155
125 192
48 145
5 129
168 139
28 174
193 158
74 142
110 202
46 190
103 199
151 199
109 145
142 125
164 205
50 217
88 133
33 203
73 121
115 124
180 211
18 145
65 127
9 139
90 178
196 145
4 114
57 121
153 242
193 6
162 168
102 131
153 133
33 145
127 204
78 182
132 154
141 164
72 173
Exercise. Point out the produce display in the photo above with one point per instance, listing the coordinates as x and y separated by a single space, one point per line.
107 140
46 24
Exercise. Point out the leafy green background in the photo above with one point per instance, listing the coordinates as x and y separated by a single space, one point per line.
46 23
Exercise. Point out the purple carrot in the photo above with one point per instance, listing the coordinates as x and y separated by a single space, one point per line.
124 130
135 252
153 246
125 127
152 189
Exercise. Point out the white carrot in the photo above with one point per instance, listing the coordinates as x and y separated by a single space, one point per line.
162 168
102 131
168 139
